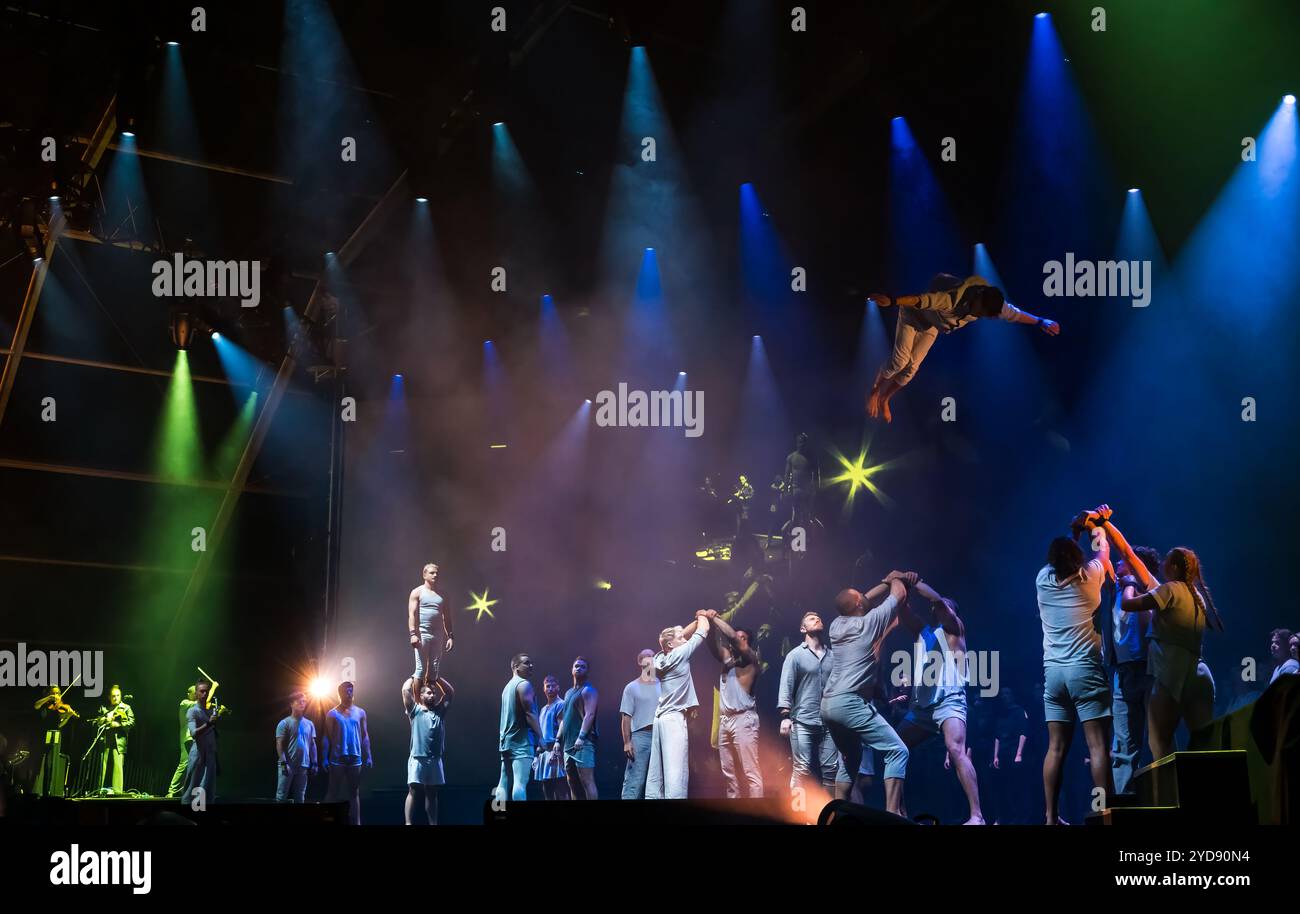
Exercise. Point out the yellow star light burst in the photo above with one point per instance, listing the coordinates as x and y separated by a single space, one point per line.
481 604
856 474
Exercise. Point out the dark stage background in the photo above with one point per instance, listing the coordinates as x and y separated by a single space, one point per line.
1140 408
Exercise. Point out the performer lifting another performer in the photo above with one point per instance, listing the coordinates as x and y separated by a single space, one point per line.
429 626
424 772
950 304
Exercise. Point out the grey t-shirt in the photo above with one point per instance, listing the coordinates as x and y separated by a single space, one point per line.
855 649
639 702
1070 634
298 734
674 671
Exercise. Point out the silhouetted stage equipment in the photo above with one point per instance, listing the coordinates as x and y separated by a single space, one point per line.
770 811
1241 769
162 811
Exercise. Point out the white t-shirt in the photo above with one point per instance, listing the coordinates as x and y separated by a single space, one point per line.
1070 636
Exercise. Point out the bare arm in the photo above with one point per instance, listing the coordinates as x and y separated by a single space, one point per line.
408 697
365 741
589 701
1102 522
625 725
524 692
412 614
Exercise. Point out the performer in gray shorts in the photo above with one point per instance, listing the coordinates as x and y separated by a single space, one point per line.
938 703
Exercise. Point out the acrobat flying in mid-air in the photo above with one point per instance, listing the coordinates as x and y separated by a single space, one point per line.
950 303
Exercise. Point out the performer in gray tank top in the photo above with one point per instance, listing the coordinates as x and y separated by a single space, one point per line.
429 627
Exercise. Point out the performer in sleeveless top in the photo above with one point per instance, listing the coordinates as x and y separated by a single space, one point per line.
578 733
738 718
938 701
430 628
346 751
519 735
548 766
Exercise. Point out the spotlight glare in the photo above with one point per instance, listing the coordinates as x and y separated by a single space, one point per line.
173 44
681 374
216 335
421 199
1289 99
1041 16
1132 190
321 688
128 134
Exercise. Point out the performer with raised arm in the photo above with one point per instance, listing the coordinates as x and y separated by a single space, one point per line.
1130 683
55 713
669 776
346 751
295 747
520 735
429 626
738 721
804 673
578 734
1074 679
201 722
636 713
1181 609
424 772
950 304
856 637
938 700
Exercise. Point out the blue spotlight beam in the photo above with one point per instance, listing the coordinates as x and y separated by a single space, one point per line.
923 235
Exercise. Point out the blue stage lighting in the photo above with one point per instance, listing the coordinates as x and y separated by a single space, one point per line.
1132 190
1289 99
421 199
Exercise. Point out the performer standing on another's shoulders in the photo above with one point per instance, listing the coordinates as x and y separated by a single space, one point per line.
430 628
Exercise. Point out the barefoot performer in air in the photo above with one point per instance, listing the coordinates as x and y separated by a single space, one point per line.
950 304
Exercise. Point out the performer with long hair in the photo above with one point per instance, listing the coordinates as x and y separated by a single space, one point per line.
1181 609
1075 686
